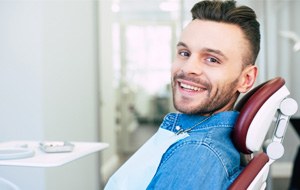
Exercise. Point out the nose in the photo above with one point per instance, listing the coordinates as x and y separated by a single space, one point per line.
192 66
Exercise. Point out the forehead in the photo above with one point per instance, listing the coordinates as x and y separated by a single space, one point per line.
228 38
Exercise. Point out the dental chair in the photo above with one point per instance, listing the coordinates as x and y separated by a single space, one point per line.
265 108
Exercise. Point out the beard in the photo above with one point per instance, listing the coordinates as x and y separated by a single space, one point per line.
208 103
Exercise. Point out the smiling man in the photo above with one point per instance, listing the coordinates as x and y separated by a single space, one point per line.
209 70
214 63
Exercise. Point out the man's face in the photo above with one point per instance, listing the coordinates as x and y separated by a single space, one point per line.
208 67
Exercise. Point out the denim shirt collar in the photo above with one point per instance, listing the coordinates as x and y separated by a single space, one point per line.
175 121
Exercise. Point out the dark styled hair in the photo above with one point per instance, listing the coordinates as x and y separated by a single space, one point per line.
228 12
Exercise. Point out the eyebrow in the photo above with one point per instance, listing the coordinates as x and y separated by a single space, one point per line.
209 50
182 44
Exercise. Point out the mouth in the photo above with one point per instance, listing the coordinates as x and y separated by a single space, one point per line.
190 87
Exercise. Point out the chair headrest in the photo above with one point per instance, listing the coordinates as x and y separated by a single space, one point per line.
257 109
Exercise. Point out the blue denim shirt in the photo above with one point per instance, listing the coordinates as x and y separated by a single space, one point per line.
206 159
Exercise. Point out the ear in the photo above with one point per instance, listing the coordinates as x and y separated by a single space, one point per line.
247 78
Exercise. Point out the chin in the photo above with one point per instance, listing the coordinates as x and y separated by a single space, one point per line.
185 108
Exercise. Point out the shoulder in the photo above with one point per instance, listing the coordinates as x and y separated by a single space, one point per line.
219 153
190 164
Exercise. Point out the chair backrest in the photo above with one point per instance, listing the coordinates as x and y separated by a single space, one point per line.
258 109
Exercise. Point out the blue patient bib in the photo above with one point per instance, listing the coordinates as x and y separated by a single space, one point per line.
138 171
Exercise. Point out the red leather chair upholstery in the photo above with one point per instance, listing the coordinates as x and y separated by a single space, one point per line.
264 108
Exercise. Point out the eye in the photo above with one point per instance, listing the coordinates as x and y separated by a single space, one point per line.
212 60
184 53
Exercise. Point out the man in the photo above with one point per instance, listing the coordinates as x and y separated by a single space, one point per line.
214 63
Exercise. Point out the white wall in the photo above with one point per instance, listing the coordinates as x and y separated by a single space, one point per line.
20 83
48 82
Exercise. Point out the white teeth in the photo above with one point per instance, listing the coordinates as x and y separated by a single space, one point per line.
186 86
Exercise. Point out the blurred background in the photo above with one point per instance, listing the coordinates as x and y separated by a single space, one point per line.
87 70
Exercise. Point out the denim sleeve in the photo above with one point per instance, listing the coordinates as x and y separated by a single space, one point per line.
190 165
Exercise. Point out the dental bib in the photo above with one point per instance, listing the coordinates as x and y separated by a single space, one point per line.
138 171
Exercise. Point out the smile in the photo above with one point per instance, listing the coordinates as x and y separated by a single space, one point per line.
190 87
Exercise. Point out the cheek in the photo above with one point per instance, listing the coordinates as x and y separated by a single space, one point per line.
225 76
221 81
174 68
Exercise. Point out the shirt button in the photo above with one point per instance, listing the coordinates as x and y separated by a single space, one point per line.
177 127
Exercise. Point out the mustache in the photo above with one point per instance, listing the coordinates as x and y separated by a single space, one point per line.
196 80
